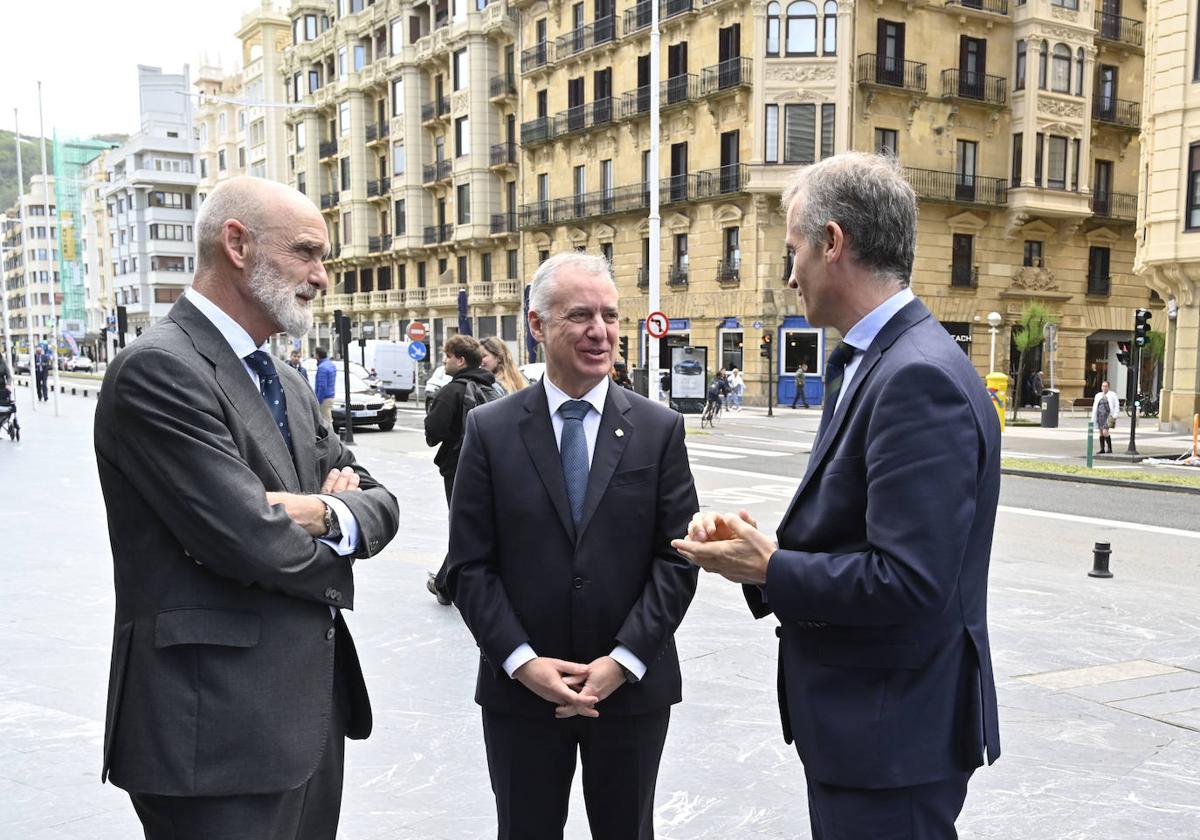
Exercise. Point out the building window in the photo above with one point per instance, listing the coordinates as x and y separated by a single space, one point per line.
887 142
830 23
606 251
799 129
802 28
1193 195
462 136
510 257
1043 59
345 165
462 270
241 157
1098 270
1060 77
773 12
1033 253
302 182
360 57
962 260
400 217
1079 72
346 229
397 97
464 204
732 251
1056 177
827 129
771 152
1019 77
398 159
459 67
485 268
1038 155
314 81
301 137
1066 4
341 63
221 160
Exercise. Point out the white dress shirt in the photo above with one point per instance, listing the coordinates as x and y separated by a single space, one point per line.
243 345
862 334
555 397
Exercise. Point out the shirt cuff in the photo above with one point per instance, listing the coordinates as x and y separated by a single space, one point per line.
346 522
517 658
625 657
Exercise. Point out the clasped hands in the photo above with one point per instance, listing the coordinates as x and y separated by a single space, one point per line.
308 511
729 545
573 688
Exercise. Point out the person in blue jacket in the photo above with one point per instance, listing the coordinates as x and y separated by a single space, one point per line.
325 379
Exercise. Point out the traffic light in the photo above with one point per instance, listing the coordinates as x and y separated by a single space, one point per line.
765 347
623 341
1141 327
1123 353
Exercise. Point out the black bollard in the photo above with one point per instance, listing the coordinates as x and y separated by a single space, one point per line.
1100 555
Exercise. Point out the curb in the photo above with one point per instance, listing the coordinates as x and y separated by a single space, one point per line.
1112 482
75 390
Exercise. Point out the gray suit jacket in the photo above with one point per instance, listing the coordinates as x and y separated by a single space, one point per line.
222 674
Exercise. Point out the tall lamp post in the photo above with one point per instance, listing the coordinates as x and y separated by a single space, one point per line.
995 319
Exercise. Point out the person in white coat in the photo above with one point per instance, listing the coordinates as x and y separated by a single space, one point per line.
1105 408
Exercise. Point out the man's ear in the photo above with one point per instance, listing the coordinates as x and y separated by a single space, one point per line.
536 326
835 242
235 242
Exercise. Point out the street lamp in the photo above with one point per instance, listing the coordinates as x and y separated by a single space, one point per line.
995 319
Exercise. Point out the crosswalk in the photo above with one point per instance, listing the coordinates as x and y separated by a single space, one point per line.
732 448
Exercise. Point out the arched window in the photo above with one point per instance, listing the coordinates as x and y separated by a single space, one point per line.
830 23
1079 72
773 12
1060 76
802 28
1019 81
1043 60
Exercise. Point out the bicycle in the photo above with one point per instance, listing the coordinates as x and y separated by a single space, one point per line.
712 411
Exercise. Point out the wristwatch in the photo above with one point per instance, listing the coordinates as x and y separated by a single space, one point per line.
630 677
333 531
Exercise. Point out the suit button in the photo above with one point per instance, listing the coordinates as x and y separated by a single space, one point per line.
329 633
578 583
333 594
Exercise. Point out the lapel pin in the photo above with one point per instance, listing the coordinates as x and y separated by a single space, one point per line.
619 433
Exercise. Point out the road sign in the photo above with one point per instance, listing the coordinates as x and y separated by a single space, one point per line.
417 350
417 331
657 324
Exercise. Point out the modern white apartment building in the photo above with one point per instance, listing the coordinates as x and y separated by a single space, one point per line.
31 264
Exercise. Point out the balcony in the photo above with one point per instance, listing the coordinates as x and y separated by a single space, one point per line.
437 171
603 31
677 276
678 90
957 187
974 87
534 214
503 154
729 272
378 244
990 7
377 132
570 209
540 130
1118 112
536 57
725 77
501 85
638 17
504 223
329 200
1119 30
643 278
1121 207
726 180
437 234
328 149
433 110
678 188
379 188
584 117
888 72
634 103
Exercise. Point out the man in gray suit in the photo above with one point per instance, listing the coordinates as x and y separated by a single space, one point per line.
235 517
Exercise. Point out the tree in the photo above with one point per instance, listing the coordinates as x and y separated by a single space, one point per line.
1027 335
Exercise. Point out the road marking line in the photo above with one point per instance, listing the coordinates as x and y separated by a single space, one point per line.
720 456
711 447
1006 453
747 473
1106 523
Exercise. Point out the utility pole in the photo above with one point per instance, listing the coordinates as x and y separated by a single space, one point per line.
53 240
24 258
653 388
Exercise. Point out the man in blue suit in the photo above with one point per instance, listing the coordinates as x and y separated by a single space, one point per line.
879 579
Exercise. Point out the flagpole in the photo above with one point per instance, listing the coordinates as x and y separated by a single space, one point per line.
53 239
25 258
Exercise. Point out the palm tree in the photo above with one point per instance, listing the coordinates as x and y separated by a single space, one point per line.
1028 334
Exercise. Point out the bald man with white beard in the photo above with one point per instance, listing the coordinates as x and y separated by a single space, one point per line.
235 517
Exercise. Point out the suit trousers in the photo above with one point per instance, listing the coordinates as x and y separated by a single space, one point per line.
308 812
532 763
920 812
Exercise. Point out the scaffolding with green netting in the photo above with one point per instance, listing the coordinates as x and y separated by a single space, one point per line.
71 158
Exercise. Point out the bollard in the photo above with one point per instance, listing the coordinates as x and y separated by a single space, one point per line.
1100 555
1091 442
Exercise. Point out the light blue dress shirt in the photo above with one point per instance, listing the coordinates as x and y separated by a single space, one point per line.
862 334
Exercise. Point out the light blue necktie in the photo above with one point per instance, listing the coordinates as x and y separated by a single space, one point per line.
272 391
573 450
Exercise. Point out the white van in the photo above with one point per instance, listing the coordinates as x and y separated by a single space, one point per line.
394 368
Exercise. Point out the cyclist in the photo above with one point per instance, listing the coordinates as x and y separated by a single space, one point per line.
718 389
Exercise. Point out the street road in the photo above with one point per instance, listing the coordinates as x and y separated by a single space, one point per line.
1099 680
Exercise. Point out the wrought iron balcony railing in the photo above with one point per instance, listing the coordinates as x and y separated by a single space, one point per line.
436 171
539 55
503 84
329 200
726 76
534 214
638 17
1121 30
965 84
724 180
729 272
996 7
677 275
603 31
1114 205
378 187
377 244
1121 112
539 130
584 117
377 131
502 153
436 234
885 70
634 103
328 148
935 185
678 90
504 223
440 107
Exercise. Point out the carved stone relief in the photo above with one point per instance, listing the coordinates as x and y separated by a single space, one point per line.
809 73
460 102
1060 128
1060 108
1035 279
1060 13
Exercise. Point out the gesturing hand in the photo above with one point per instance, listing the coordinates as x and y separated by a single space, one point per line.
603 677
711 527
548 679
741 557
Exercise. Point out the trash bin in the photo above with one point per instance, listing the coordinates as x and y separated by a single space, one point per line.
1050 408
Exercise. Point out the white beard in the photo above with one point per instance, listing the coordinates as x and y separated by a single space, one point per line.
269 287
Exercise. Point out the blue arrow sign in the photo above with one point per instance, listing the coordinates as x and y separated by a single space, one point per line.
417 350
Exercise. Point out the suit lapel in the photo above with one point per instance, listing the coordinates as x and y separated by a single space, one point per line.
538 435
304 432
610 446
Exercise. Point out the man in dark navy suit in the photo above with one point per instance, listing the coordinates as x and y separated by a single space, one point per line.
879 580
565 501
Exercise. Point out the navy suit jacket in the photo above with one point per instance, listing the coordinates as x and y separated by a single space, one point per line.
519 571
880 579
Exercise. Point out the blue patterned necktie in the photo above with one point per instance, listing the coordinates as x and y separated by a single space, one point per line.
835 369
573 450
272 391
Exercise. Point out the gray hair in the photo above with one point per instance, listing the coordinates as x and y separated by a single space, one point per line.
545 279
869 198
238 198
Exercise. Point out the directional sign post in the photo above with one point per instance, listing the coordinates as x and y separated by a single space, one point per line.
417 350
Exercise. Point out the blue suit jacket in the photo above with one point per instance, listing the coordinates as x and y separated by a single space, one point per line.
880 580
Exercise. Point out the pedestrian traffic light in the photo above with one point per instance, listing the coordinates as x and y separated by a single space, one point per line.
765 347
624 343
1141 327
1123 353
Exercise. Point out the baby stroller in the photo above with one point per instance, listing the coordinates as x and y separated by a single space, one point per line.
8 414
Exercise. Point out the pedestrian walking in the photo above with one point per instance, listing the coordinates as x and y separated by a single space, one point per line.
801 381
235 520
561 568
295 364
41 373
879 578
737 388
325 385
1105 408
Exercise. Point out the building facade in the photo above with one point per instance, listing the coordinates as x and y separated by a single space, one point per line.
402 131
31 277
1168 255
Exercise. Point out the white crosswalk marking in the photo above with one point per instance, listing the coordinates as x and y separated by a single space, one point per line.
736 450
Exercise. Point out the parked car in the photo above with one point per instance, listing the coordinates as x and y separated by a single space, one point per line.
689 367
436 380
367 406
21 365
533 371
310 365
79 364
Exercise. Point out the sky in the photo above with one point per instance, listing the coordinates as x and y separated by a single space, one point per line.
87 56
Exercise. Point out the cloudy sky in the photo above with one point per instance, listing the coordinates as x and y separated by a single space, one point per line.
86 56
